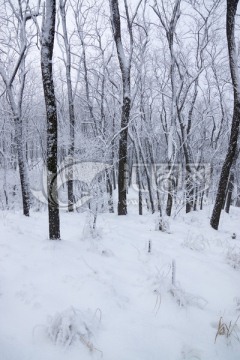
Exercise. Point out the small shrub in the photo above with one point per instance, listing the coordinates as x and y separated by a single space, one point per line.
195 242
185 299
162 224
233 257
182 297
71 326
90 230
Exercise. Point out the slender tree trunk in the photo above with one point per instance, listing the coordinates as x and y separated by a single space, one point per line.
229 193
169 200
48 32
22 166
225 195
16 108
201 200
125 66
140 207
113 153
189 193
196 192
70 107
110 191
123 165
139 154
231 13
22 163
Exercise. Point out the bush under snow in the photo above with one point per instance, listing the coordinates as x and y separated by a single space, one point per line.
71 326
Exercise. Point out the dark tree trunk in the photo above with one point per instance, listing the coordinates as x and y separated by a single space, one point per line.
48 31
22 166
229 193
125 67
140 207
189 193
170 193
169 201
231 13
113 154
110 191
225 195
201 200
122 165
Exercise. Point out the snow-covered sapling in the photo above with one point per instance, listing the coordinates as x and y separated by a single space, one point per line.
72 326
173 273
163 225
149 246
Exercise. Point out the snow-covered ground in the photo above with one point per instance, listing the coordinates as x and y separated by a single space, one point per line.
114 287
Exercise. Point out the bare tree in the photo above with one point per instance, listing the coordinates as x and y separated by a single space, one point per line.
125 66
232 148
179 98
47 39
67 62
21 14
169 26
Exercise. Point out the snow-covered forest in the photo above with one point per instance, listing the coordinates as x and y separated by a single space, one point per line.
120 179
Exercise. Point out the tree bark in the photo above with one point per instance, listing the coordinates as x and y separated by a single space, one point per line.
229 193
22 166
126 106
231 13
48 32
122 155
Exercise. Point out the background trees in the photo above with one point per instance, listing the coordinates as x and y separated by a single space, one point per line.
146 84
125 67
13 71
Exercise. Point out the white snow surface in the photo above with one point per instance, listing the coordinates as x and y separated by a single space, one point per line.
113 278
